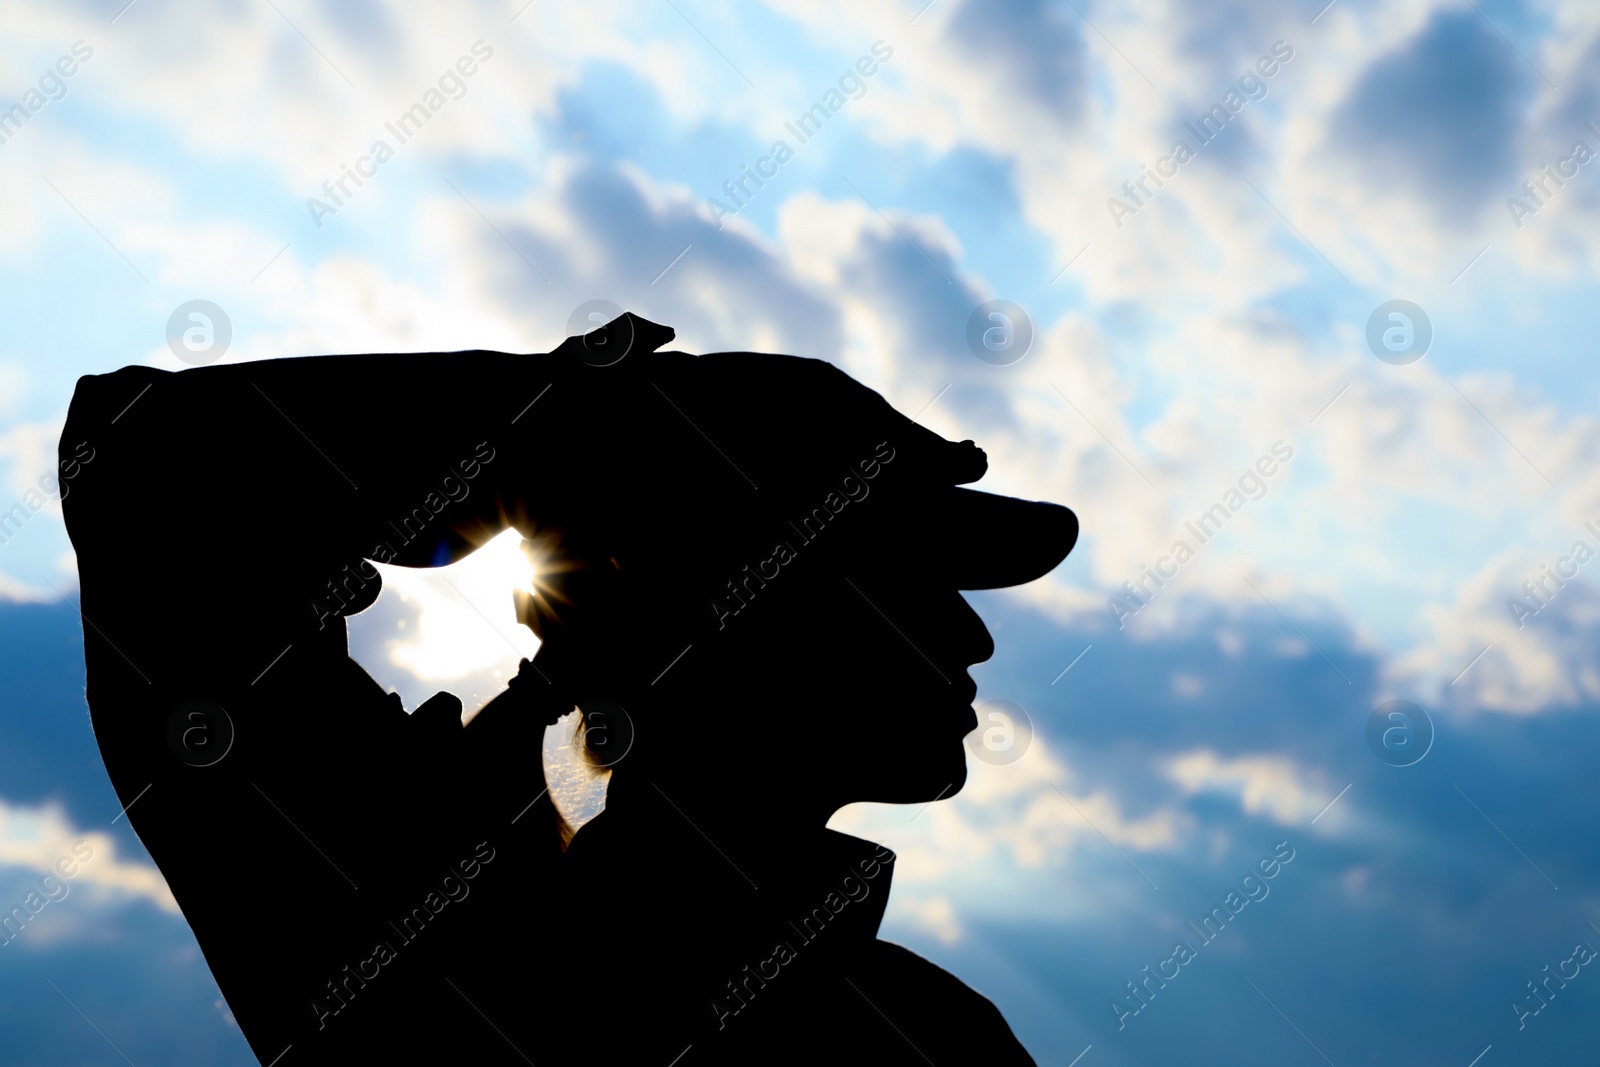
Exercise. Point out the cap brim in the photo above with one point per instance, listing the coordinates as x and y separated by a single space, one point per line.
1000 540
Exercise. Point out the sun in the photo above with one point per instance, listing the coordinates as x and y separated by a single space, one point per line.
457 624
455 628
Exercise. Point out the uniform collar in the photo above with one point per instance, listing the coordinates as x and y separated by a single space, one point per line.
654 855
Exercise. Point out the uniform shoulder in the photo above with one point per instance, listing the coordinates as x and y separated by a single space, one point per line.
927 1002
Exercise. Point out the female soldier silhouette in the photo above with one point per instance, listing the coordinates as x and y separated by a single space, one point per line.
749 584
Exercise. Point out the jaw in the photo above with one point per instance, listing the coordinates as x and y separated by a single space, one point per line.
938 778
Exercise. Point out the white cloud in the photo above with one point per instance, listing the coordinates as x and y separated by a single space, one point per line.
22 593
933 916
1199 262
37 838
1273 786
1510 644
1396 441
14 379
29 451
30 511
1028 813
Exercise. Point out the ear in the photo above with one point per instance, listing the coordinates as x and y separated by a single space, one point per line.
580 596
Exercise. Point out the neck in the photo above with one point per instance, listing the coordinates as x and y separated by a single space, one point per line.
754 818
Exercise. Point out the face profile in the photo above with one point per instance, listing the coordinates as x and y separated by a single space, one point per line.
842 688
758 613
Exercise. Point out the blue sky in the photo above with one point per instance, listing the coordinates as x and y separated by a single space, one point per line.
1226 314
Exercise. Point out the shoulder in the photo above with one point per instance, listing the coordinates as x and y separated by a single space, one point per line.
932 1007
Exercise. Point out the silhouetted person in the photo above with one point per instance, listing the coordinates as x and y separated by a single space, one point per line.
749 584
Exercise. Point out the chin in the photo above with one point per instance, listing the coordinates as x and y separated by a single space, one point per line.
958 777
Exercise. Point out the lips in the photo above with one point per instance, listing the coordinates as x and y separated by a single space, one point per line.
971 718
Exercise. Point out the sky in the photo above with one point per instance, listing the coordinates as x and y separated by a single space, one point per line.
1326 274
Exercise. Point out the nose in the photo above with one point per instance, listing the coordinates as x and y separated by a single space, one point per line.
974 639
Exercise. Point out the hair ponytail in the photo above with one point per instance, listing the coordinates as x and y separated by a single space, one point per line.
515 721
